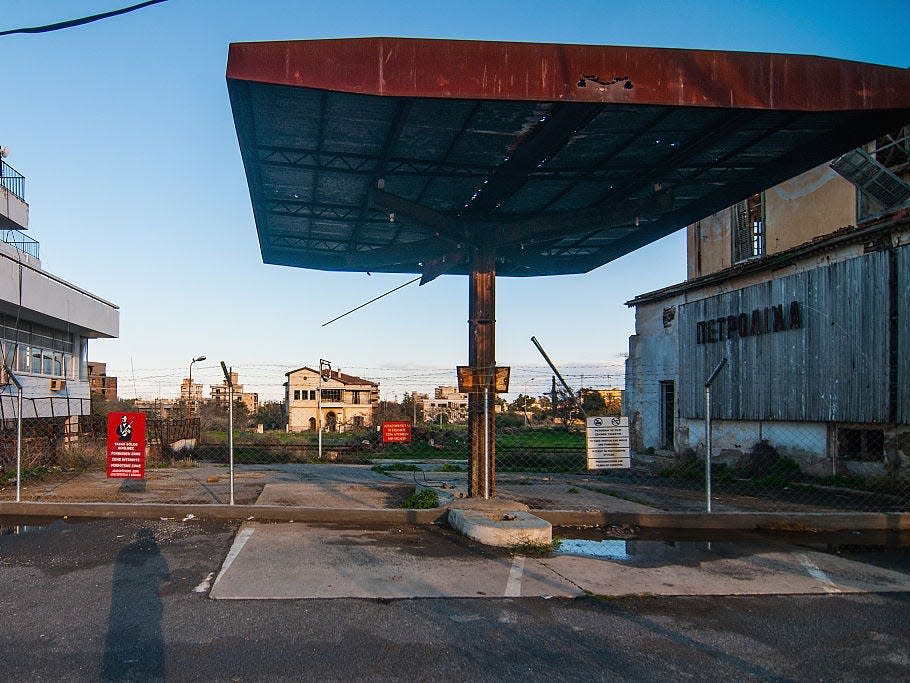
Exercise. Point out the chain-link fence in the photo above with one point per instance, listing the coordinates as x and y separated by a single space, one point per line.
541 459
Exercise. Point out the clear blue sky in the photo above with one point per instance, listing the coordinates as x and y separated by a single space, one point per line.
137 193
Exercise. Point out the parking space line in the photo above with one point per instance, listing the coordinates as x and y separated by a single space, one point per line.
513 585
242 537
828 585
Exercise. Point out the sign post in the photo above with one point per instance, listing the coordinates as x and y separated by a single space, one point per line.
126 445
608 443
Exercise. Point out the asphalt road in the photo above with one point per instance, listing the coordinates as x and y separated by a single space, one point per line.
115 600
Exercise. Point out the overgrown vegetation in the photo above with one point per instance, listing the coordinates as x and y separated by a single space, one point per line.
423 499
529 548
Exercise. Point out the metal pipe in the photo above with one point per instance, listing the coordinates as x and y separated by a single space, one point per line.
707 448
486 441
709 432
563 381
15 380
19 445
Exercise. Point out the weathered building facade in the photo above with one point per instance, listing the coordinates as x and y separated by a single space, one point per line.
805 289
343 401
447 405
220 392
45 322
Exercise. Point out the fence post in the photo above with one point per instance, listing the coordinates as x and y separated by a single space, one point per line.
227 378
486 441
708 432
18 384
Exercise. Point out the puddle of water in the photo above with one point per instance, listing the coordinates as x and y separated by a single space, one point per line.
635 550
613 550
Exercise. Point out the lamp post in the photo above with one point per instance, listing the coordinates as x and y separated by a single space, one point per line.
189 389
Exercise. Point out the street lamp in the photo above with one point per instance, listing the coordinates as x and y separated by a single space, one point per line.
189 389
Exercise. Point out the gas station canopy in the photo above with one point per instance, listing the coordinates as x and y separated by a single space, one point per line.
401 155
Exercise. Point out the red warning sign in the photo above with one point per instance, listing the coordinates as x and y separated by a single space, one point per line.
396 432
126 445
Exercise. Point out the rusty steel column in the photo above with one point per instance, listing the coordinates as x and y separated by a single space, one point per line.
482 355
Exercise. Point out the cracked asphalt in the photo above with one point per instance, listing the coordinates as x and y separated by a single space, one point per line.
116 600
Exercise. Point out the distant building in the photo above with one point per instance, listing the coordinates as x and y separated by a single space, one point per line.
100 383
219 393
347 402
162 408
190 397
45 322
805 289
447 405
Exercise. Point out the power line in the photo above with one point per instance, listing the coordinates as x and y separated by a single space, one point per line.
70 23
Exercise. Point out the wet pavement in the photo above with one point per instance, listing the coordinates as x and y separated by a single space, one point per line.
295 561
132 600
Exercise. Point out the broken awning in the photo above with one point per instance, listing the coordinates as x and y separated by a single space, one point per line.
400 155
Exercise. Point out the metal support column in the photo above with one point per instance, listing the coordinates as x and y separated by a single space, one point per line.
482 355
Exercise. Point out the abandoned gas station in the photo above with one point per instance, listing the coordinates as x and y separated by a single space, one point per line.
521 160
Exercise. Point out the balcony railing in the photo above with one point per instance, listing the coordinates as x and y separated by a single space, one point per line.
21 241
12 180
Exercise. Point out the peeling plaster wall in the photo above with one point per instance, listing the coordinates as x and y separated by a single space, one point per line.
813 204
808 206
708 245
653 358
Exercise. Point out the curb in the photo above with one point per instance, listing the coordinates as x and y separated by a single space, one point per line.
719 521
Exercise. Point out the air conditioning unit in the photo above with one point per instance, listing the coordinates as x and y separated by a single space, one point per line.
58 384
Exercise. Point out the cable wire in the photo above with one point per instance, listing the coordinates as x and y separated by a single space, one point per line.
71 23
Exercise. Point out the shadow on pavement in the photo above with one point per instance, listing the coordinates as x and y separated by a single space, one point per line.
134 647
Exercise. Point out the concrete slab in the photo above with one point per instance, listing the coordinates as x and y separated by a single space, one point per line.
290 561
501 527
700 568
296 561
325 494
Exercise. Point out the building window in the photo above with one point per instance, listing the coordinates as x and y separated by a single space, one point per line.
296 394
331 395
355 397
748 228
861 444
358 421
313 395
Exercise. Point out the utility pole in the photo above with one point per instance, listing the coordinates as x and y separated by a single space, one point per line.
553 397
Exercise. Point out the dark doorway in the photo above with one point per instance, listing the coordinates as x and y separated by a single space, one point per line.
331 422
667 409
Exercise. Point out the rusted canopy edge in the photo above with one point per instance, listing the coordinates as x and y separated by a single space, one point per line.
409 67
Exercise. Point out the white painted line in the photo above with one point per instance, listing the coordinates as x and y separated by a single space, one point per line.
817 574
242 537
513 585
206 583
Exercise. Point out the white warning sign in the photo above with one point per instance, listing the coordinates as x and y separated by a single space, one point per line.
608 443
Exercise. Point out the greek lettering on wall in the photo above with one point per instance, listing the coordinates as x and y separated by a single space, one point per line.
767 320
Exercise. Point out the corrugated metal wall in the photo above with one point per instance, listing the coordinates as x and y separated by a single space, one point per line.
834 368
903 345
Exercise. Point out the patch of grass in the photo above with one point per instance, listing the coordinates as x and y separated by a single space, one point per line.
530 548
449 467
572 489
396 467
781 473
424 499
28 474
